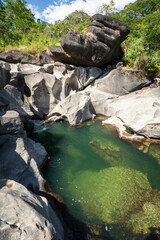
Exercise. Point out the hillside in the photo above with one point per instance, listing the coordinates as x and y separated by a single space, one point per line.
20 30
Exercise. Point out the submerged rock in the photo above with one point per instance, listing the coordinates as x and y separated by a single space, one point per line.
147 220
111 194
24 215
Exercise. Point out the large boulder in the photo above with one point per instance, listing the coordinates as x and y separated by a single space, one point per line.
138 111
99 100
75 108
16 56
21 159
10 122
99 46
120 81
5 75
44 92
24 215
11 100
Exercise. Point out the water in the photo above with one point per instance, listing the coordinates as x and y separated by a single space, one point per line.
102 179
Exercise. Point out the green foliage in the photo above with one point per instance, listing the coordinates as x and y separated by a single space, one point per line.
142 48
107 8
18 28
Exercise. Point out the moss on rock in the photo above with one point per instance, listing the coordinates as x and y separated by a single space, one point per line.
110 194
154 151
148 219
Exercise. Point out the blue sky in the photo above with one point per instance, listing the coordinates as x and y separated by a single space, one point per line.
53 10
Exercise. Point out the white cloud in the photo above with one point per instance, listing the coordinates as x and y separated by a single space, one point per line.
58 12
34 10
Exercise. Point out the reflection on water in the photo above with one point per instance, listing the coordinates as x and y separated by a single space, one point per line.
103 179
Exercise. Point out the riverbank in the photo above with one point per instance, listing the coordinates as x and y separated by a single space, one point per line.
55 92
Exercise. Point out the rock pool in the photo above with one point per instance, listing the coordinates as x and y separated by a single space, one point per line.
102 179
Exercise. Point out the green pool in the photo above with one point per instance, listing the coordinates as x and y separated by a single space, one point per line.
102 179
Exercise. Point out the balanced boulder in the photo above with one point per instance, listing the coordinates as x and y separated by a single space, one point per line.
99 46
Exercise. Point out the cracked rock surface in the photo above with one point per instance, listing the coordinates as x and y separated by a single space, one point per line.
24 215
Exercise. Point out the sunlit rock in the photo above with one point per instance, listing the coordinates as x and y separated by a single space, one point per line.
24 215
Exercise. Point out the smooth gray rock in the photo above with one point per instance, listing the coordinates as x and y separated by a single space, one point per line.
26 216
48 68
124 132
5 75
99 100
45 92
75 109
10 122
21 158
11 96
139 112
120 82
29 68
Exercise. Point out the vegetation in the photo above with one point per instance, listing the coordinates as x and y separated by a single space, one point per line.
142 48
20 30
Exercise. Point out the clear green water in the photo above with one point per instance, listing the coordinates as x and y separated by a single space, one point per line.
102 179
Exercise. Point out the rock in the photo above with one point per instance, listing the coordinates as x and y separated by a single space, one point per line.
123 131
92 73
14 56
75 108
120 82
5 75
58 54
98 47
10 122
61 69
48 68
99 100
21 159
92 51
147 219
12 97
139 112
45 58
17 56
4 103
28 59
29 68
45 92
112 24
119 190
24 215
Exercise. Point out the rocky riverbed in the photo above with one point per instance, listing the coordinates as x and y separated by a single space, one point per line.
51 90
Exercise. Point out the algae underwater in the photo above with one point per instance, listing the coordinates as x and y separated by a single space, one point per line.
103 179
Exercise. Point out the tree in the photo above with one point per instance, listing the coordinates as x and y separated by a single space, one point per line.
107 9
142 48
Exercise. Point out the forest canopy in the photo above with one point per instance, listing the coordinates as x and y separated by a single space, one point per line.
20 30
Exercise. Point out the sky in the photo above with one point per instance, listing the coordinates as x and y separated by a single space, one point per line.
53 10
